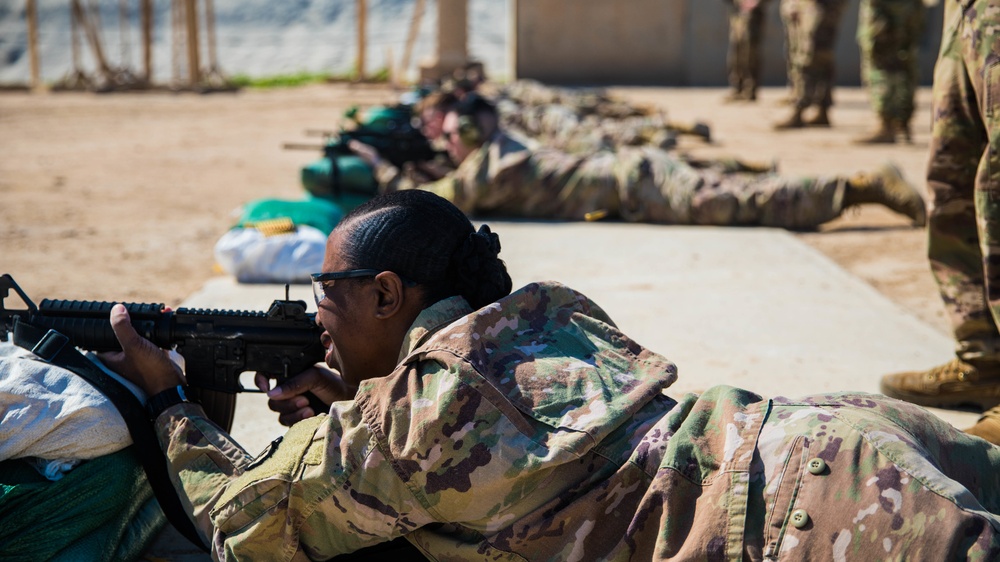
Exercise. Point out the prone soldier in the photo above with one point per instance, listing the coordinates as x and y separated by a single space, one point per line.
499 175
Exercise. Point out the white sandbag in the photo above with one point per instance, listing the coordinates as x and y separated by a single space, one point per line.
53 414
251 257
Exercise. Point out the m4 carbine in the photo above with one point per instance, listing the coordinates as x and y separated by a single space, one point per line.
392 133
217 345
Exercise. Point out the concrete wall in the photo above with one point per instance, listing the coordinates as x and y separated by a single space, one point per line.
662 42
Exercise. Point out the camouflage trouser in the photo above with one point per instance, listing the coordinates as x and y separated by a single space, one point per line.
811 33
964 176
662 189
888 34
746 30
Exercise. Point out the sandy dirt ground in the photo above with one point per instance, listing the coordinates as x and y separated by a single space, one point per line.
123 196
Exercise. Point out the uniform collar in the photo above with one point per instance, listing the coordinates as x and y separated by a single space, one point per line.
432 319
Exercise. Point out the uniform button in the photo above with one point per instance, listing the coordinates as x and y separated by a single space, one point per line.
816 466
800 518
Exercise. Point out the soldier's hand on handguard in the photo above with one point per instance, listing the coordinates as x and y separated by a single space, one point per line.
140 360
289 400
366 152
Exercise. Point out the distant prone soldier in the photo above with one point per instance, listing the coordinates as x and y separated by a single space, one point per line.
586 119
500 176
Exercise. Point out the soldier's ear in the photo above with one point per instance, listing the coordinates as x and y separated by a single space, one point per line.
390 298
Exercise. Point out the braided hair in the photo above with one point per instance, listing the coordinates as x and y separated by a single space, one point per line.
424 238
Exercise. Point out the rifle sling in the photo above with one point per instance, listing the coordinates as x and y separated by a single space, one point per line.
56 349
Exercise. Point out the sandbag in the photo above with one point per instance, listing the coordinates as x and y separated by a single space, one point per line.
354 184
252 256
103 509
318 213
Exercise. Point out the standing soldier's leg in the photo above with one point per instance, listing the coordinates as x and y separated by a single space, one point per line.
982 54
962 177
820 74
733 55
792 14
875 34
755 36
888 34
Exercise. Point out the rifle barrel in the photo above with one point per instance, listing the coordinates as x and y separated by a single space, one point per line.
301 146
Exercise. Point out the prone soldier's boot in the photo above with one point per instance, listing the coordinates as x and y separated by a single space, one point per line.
885 134
954 384
697 129
886 186
988 426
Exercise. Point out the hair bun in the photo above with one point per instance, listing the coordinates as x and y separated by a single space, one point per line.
478 269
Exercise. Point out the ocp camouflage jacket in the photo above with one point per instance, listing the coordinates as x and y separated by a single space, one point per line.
533 429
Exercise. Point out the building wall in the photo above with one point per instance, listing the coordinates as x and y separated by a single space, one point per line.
663 42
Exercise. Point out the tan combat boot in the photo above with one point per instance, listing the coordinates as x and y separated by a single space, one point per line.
821 119
886 186
988 426
794 121
904 129
954 384
886 134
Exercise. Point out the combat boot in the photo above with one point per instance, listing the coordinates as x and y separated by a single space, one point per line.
886 186
954 384
988 426
702 130
821 119
794 121
734 96
886 134
904 129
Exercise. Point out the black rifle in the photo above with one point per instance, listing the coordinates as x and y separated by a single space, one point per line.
217 345
395 137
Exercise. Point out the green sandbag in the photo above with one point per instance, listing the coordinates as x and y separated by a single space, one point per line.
318 213
356 182
103 509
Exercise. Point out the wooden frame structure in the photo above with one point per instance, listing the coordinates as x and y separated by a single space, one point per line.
188 19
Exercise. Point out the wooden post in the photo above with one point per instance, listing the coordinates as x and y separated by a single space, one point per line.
362 39
452 40
194 66
411 37
31 15
147 40
93 36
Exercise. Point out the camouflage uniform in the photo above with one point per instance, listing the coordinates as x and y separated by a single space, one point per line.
585 120
532 429
563 127
505 178
811 33
746 30
889 35
964 177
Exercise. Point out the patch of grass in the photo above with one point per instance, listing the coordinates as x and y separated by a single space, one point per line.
280 80
303 78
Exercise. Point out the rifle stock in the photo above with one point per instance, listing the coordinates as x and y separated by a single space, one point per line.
217 345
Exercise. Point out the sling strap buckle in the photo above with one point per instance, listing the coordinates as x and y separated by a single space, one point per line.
50 345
